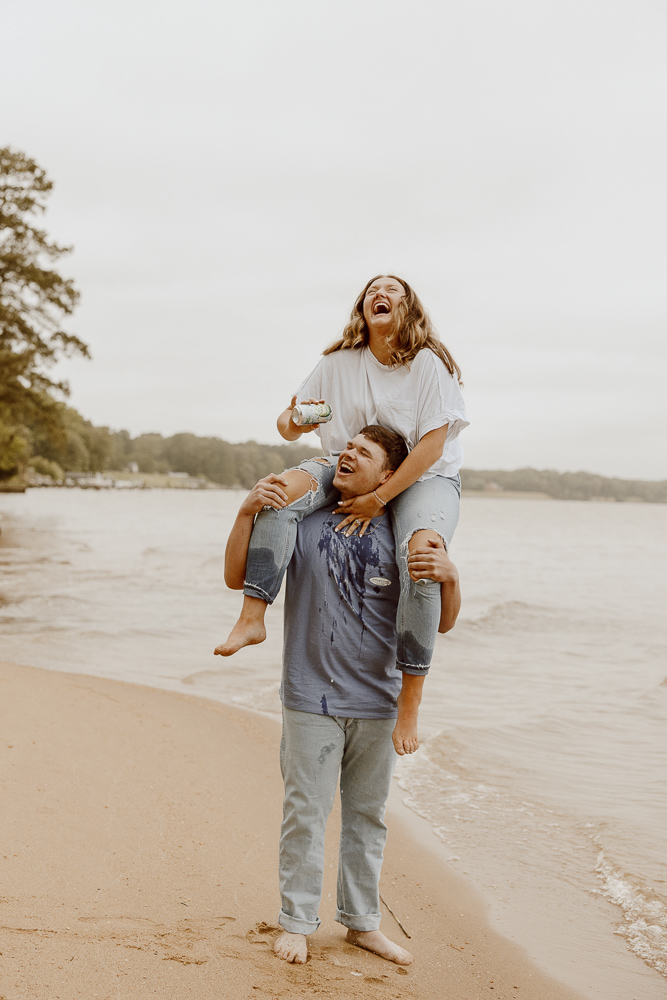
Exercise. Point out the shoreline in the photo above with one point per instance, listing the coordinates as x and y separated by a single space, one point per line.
135 855
165 481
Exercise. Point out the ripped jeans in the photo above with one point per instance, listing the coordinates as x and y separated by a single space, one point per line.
430 503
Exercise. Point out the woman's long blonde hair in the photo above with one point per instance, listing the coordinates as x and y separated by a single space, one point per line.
412 332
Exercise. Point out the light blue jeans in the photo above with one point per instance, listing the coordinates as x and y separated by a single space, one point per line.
314 751
431 503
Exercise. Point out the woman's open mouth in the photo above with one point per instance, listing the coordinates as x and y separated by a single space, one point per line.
381 308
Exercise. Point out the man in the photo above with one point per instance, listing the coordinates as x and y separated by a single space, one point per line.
340 689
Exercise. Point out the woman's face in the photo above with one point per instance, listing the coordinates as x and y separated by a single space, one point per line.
380 302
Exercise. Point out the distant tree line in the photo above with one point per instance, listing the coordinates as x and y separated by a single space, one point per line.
565 485
82 447
219 461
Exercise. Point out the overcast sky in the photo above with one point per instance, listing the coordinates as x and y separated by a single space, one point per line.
230 175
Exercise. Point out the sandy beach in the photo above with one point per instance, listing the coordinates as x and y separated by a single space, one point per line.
139 834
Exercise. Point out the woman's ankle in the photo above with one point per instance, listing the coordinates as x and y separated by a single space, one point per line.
253 610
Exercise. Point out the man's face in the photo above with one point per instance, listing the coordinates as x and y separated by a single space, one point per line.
360 467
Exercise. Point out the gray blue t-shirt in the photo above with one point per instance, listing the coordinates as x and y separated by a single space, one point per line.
339 653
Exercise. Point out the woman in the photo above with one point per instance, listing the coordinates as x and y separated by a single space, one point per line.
388 368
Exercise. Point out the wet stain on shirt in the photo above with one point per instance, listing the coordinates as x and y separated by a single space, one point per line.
348 560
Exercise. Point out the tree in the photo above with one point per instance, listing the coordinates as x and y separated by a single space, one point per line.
34 300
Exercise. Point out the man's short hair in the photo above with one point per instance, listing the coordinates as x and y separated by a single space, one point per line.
393 445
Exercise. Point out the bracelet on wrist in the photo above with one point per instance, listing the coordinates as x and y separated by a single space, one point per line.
379 499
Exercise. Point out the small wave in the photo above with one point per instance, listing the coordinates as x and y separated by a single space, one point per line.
644 917
200 675
214 561
434 791
21 624
514 615
510 617
57 600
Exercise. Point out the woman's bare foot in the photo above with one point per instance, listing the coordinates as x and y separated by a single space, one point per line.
241 635
291 947
249 629
404 736
376 942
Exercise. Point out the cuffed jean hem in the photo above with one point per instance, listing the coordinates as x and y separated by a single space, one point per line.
414 669
359 921
251 590
293 925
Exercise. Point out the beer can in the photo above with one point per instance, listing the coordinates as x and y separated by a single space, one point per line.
311 413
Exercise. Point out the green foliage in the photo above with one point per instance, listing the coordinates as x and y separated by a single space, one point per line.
78 446
14 450
565 485
74 443
233 465
34 300
43 467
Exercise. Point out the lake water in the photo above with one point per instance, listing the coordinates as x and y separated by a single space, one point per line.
544 770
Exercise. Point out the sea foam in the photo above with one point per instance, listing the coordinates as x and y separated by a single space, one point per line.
644 923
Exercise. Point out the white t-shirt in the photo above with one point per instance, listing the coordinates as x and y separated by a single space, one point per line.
411 401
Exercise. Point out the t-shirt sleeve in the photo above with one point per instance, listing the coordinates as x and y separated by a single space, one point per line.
311 387
441 401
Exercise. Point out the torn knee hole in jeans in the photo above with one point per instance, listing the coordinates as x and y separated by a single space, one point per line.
312 489
404 548
314 484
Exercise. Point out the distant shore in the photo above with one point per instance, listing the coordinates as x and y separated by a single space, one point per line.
525 483
562 485
152 481
506 494
114 480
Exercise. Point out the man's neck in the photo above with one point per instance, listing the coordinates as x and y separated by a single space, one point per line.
350 494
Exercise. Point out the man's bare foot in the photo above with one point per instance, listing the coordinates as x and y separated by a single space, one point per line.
249 629
292 947
376 942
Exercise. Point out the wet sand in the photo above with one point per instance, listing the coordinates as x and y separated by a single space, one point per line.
139 833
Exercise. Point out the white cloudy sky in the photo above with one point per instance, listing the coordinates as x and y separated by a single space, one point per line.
231 174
